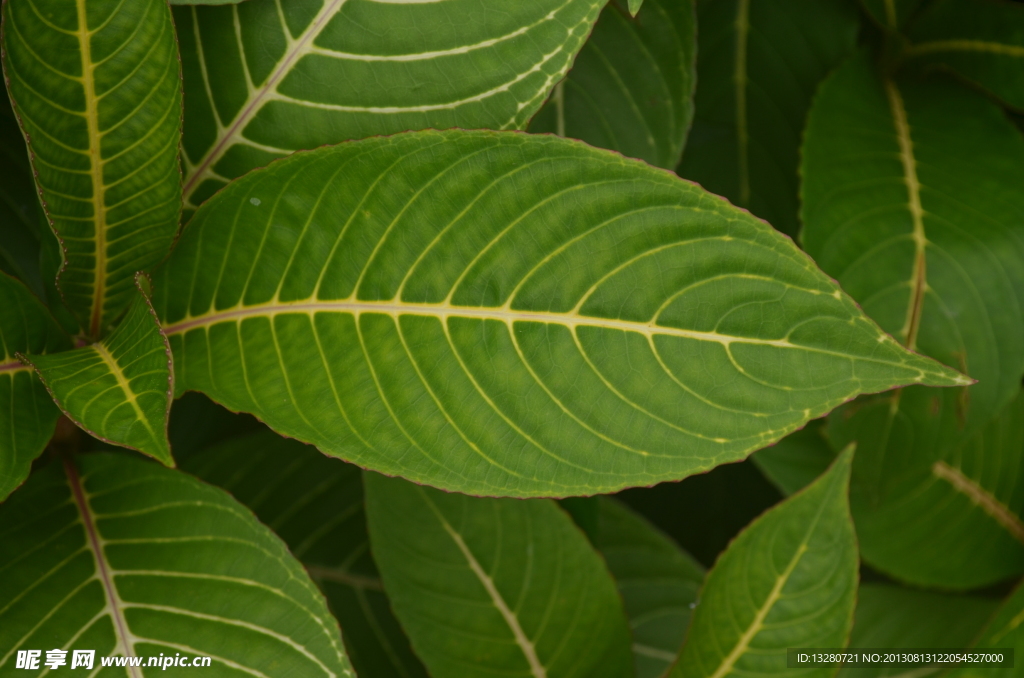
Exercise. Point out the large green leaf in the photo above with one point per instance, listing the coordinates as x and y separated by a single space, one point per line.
979 40
268 77
631 87
29 415
495 587
120 389
795 461
951 521
658 582
506 314
1004 630
315 504
125 557
760 63
890 616
96 87
788 581
912 201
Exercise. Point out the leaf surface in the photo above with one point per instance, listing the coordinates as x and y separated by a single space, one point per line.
120 389
760 63
495 587
896 617
97 91
911 200
981 41
268 77
891 15
788 580
658 582
29 416
458 307
631 88
123 556
315 504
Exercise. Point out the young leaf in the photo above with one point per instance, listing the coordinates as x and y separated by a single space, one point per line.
631 87
795 461
895 617
788 580
911 199
506 314
28 415
952 521
979 40
315 504
501 586
123 556
268 77
1004 630
760 63
891 15
658 582
119 389
96 88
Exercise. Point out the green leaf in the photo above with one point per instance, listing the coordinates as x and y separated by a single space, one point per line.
894 617
911 200
634 6
123 556
631 87
97 91
658 582
29 416
457 308
265 78
498 586
205 2
118 390
788 580
1004 630
760 63
951 521
891 15
981 41
315 504
795 461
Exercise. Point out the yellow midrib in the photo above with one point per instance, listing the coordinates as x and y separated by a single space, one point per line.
758 622
1016 51
918 276
130 395
1006 518
96 173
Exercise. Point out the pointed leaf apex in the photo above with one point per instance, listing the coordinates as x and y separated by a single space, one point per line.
634 6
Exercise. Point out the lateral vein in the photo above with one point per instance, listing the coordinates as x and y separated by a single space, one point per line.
981 498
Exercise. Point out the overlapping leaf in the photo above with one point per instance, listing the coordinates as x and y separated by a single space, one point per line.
894 617
911 200
980 40
789 580
631 87
125 557
118 389
760 63
268 77
658 582
315 504
506 314
495 587
97 91
28 415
